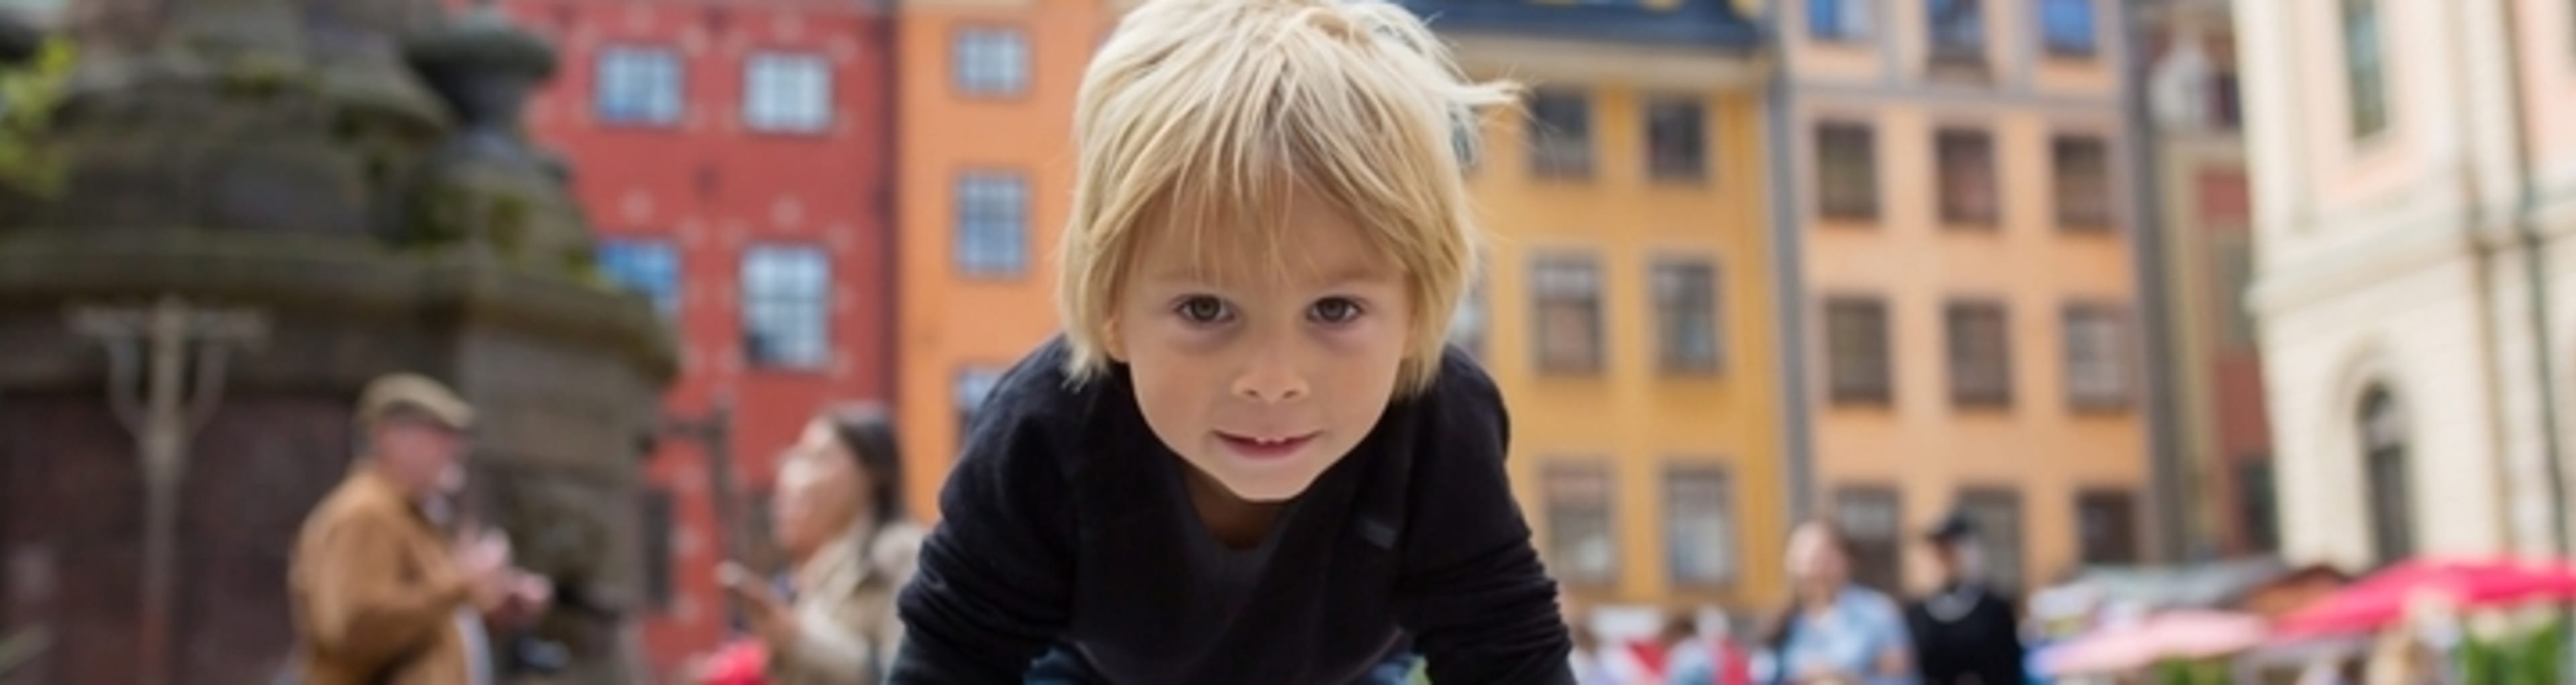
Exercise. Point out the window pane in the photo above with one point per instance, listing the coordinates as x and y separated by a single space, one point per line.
990 61
2082 171
787 93
2255 508
1958 29
1838 19
1687 316
1582 546
1567 294
648 267
1857 350
2365 72
1699 525
992 217
2066 26
1872 518
973 386
1847 171
638 86
1967 176
786 308
1997 514
1560 134
1980 355
2097 358
1676 140
657 519
2107 522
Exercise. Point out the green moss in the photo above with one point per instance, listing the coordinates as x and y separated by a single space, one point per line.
31 93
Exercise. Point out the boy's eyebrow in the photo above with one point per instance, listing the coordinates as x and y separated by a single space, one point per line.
1348 274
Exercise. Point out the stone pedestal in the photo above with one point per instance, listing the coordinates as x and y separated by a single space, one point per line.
283 157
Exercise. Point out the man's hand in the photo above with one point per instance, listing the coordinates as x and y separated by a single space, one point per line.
484 561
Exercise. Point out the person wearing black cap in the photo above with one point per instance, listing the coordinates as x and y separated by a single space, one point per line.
1965 633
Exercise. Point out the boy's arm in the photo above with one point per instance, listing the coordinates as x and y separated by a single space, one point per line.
1481 607
994 584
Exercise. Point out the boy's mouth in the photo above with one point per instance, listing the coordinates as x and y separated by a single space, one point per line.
1265 447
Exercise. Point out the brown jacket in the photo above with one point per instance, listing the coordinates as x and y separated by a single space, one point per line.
844 609
375 594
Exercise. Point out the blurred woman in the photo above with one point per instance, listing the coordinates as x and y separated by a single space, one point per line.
1835 632
839 515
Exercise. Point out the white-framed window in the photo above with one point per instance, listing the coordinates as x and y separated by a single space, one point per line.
637 85
990 61
647 266
786 306
1699 525
992 224
787 92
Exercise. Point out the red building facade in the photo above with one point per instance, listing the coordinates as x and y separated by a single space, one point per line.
735 159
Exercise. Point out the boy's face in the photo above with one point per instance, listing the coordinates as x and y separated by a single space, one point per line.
1262 371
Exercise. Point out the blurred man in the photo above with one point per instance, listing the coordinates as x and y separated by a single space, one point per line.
1964 632
379 595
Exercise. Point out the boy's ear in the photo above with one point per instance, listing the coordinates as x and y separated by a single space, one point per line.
1113 343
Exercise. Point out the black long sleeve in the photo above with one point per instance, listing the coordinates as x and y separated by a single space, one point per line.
995 585
1480 605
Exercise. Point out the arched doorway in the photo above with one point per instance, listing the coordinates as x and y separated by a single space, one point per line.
2381 425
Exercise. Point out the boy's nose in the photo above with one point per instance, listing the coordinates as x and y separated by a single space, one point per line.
1270 381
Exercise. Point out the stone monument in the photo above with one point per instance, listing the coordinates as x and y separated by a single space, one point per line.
263 204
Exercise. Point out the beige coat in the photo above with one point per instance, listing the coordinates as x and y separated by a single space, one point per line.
845 610
374 591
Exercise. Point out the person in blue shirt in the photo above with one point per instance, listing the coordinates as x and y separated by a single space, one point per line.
1835 632
1251 457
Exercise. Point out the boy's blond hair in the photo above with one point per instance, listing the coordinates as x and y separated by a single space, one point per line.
1225 109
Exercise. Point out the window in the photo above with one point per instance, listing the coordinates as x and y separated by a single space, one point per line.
1846 171
1676 139
637 85
2254 503
991 61
1560 134
2081 169
785 306
1958 30
2107 527
1582 546
973 385
992 224
1980 355
787 93
2365 69
1699 525
1838 19
2390 503
1467 326
2097 357
1857 351
1567 293
1686 309
1875 526
2066 27
1967 176
648 267
1997 513
657 519
2235 261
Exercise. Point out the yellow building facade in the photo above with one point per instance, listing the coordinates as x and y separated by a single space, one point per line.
1625 307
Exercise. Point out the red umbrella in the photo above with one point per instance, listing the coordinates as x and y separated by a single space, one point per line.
2383 598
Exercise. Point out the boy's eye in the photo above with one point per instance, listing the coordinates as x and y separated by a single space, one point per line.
1334 310
1202 309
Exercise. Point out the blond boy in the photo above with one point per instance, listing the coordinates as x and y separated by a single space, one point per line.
1250 458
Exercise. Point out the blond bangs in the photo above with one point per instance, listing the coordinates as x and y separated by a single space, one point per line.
1201 120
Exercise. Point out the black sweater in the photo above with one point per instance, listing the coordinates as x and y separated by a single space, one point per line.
1059 532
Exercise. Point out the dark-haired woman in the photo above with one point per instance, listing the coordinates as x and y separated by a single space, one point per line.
839 516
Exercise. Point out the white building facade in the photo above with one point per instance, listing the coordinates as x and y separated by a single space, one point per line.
2414 182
